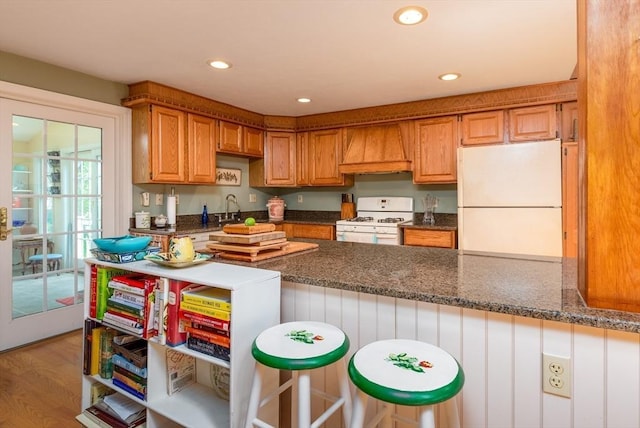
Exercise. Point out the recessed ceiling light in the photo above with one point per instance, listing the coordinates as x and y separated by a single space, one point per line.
304 100
410 15
219 64
449 76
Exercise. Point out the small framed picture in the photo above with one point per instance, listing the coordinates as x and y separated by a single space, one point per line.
228 176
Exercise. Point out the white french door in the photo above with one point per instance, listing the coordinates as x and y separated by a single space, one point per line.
58 193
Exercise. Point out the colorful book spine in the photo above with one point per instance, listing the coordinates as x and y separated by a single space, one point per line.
208 297
98 391
223 333
106 352
121 361
130 382
128 389
89 325
135 310
208 348
104 274
176 334
205 320
210 337
103 419
134 377
124 327
125 296
96 333
159 325
93 291
205 310
118 285
122 319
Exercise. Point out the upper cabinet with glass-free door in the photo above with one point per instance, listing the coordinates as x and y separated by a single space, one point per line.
172 146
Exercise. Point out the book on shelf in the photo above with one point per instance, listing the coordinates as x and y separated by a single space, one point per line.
93 291
209 348
122 323
215 298
96 333
106 352
134 283
192 317
125 296
103 275
159 321
175 332
209 337
119 360
124 372
181 371
122 306
208 328
104 415
136 386
123 386
123 408
98 391
87 347
206 310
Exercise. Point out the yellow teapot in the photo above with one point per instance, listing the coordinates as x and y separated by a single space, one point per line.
181 250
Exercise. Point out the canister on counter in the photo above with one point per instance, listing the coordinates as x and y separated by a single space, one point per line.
143 220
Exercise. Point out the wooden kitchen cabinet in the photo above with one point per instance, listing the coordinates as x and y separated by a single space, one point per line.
435 159
325 152
302 156
570 199
310 231
483 128
171 146
569 121
240 140
278 166
430 238
533 123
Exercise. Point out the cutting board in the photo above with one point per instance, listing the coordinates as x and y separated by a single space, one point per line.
249 230
249 249
256 238
293 247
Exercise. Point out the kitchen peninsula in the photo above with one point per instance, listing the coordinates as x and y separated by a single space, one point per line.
496 315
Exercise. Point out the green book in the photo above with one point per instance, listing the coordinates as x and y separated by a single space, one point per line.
104 274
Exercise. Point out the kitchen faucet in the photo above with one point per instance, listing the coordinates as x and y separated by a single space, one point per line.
230 198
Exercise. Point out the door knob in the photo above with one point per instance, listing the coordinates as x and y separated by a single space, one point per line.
3 224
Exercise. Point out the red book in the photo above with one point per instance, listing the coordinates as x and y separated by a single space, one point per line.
146 284
93 291
205 320
176 333
210 337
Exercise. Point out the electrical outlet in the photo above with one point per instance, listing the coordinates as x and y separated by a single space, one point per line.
300 199
556 375
177 199
252 197
159 198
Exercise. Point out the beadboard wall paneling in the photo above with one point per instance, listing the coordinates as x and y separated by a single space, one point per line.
501 355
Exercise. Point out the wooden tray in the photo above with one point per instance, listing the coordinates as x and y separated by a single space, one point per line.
248 249
293 247
249 230
236 238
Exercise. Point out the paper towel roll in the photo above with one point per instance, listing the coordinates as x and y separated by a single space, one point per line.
171 210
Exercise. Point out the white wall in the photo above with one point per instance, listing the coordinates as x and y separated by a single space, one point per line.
501 356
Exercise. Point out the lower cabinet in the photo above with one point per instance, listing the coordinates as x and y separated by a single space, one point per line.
430 238
217 394
311 231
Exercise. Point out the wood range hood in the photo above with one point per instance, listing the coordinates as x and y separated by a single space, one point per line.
377 149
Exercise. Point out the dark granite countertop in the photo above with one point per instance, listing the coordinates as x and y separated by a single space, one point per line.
530 288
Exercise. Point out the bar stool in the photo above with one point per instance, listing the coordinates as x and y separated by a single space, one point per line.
408 373
299 347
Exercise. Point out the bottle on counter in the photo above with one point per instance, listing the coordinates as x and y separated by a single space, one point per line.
205 215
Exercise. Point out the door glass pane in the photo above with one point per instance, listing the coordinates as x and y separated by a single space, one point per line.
56 211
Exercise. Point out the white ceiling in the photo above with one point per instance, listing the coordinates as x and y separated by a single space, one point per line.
343 54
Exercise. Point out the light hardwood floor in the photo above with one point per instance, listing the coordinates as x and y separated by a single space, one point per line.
40 384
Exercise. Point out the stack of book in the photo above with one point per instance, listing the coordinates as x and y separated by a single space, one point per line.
130 304
116 411
206 313
98 290
129 362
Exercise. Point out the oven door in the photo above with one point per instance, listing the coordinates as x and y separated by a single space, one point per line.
367 237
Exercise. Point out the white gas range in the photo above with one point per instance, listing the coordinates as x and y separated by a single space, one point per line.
377 221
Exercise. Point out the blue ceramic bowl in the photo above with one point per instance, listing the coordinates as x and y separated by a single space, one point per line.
123 244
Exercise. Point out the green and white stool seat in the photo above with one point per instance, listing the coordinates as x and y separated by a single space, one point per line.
408 373
299 347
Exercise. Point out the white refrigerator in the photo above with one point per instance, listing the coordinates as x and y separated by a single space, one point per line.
510 198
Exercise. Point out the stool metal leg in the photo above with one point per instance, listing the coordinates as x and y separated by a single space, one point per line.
304 399
254 398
